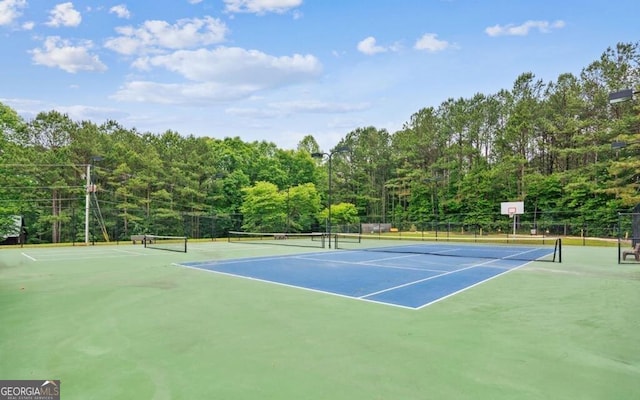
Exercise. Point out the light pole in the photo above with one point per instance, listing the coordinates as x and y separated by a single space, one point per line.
619 145
622 95
342 149
89 189
619 97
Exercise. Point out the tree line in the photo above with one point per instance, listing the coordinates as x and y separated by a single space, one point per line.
545 143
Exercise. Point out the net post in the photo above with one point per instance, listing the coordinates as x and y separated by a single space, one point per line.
559 250
170 243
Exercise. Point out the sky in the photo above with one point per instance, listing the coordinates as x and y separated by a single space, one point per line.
279 70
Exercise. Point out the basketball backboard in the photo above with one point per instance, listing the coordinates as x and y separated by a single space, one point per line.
512 208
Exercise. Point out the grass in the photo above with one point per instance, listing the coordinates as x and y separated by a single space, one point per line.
124 322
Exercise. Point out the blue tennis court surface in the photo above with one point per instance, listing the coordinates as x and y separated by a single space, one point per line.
404 280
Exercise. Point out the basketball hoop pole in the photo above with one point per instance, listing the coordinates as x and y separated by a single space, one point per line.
512 209
512 214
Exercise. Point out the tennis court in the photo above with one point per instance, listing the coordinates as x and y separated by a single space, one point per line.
408 273
125 321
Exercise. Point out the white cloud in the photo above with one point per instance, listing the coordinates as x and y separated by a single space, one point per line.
260 6
431 43
369 46
310 106
250 112
296 107
155 35
10 10
121 11
195 1
62 54
522 30
186 94
29 25
90 113
239 66
221 74
64 14
29 109
24 106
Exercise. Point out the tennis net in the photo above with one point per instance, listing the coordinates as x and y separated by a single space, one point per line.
507 248
311 239
169 243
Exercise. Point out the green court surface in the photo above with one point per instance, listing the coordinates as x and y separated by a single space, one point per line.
124 322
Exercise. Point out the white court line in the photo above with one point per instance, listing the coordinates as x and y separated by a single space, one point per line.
528 251
84 258
372 263
54 253
130 252
472 286
324 260
395 257
295 287
245 260
82 255
426 279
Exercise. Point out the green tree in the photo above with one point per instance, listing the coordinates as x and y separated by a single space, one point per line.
360 174
303 204
341 214
11 128
263 208
50 135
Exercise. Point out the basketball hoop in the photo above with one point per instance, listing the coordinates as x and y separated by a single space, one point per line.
512 208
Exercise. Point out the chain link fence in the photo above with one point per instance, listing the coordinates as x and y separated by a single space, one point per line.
114 223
